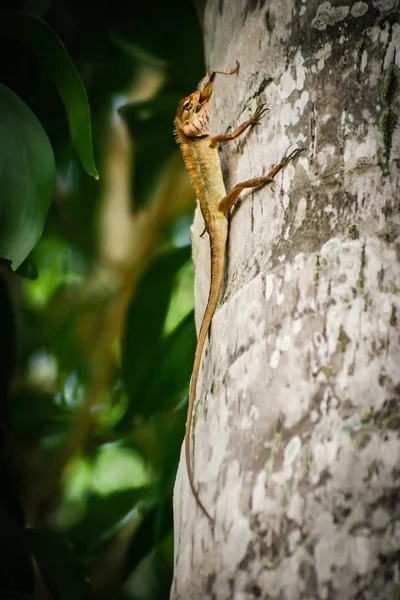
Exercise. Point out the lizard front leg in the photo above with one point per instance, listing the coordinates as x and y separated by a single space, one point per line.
229 200
226 137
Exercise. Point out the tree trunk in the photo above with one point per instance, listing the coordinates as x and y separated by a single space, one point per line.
296 430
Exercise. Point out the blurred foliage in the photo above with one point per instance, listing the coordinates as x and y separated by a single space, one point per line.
96 319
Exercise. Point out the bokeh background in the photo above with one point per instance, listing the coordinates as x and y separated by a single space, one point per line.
96 326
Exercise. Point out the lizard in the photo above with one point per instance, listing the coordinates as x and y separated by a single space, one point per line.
202 162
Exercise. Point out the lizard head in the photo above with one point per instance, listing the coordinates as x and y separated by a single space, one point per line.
192 116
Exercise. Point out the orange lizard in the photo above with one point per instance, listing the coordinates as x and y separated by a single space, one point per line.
200 153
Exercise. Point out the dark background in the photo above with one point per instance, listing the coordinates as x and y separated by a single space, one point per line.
96 353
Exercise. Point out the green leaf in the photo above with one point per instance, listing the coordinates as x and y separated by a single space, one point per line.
27 270
27 177
167 376
150 124
103 518
156 526
41 39
61 569
156 568
159 438
146 315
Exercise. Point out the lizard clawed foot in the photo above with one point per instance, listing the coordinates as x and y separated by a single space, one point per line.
236 69
260 111
294 154
286 160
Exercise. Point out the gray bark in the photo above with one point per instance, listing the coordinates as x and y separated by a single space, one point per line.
296 430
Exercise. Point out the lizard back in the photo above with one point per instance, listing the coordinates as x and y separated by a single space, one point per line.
204 168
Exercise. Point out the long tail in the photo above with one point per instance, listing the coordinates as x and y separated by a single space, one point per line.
217 274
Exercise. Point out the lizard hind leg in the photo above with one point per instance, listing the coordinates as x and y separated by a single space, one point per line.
229 200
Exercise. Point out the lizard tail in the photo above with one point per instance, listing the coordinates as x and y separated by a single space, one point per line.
217 275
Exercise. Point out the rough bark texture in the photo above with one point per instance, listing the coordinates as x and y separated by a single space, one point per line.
296 430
